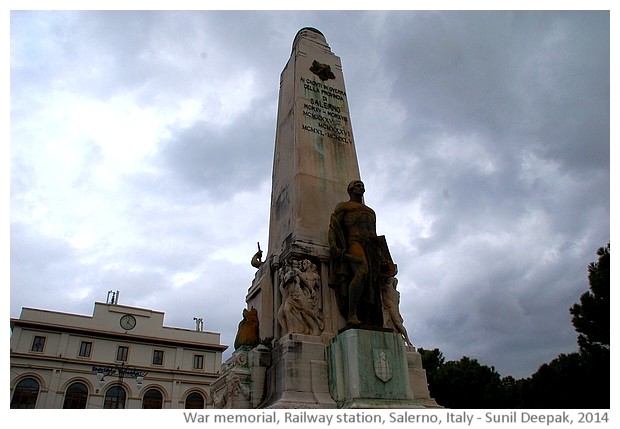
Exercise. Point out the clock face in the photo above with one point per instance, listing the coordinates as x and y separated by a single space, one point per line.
128 322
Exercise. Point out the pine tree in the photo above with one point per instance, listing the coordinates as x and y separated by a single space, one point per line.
591 316
592 323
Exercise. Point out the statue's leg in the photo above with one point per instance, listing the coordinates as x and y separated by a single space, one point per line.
282 319
356 287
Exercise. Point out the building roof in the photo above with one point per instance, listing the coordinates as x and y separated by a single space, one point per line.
105 323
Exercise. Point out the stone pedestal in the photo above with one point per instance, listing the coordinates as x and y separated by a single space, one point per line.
298 377
370 369
242 383
418 380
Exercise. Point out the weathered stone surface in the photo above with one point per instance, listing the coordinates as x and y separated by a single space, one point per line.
300 311
374 369
368 365
315 154
417 379
297 377
232 390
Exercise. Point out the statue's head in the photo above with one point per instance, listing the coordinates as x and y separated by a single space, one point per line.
351 186
251 314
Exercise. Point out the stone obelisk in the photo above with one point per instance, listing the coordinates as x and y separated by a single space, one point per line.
315 155
302 360
314 160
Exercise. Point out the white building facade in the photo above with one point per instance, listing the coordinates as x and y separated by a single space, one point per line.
120 357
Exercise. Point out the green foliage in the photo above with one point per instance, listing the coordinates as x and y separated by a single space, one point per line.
433 361
591 319
466 384
512 391
556 384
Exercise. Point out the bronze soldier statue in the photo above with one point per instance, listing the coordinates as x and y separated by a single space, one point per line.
359 259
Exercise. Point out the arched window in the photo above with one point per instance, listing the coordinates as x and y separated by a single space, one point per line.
25 395
194 400
152 399
115 397
76 396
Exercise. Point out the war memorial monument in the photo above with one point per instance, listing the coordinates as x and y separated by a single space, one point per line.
321 327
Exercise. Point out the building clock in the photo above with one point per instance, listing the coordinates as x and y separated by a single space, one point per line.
128 322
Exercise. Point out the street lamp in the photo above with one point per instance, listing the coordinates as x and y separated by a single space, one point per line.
121 372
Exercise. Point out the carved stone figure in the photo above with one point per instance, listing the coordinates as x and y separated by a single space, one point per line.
247 332
234 389
358 260
391 311
295 314
311 285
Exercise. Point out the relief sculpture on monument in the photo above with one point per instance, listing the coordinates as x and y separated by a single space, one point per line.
359 260
234 390
299 312
311 285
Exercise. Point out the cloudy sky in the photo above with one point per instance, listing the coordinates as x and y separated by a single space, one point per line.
141 148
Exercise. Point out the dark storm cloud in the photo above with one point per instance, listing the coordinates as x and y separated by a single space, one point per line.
521 80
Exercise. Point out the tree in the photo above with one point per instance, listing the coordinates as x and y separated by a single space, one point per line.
464 383
592 322
591 316
513 391
467 384
432 361
561 383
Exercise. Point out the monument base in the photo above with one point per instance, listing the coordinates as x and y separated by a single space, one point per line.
372 369
418 380
297 377
242 381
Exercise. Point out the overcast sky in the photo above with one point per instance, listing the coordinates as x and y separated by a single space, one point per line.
142 146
